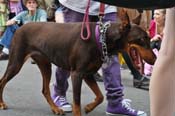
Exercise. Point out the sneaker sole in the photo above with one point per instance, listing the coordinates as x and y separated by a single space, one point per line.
111 114
66 109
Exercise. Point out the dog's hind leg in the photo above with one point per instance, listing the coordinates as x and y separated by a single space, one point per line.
91 82
45 68
14 65
76 85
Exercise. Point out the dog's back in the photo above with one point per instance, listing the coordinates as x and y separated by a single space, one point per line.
53 40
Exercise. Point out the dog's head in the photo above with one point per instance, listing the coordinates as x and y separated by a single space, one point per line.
137 38
127 35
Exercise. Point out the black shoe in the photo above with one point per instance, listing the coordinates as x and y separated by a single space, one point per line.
98 77
4 56
138 83
1 47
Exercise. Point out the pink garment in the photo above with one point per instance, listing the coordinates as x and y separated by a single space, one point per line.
152 32
152 28
147 67
15 7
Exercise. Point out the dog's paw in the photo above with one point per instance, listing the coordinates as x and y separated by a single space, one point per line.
88 108
3 106
58 111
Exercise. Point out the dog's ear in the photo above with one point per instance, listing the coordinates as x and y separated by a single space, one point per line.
125 22
137 19
124 18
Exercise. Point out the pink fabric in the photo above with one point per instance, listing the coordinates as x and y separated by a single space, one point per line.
152 31
152 28
147 67
97 37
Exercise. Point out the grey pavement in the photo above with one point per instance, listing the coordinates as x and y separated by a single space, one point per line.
24 98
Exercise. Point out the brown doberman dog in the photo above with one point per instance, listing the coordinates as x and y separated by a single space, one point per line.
62 45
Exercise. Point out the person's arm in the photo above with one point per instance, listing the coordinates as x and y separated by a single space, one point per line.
156 37
162 85
17 19
10 22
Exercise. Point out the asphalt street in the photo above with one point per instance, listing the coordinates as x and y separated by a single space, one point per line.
24 98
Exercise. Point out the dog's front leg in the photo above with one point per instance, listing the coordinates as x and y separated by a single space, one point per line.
91 82
45 68
76 85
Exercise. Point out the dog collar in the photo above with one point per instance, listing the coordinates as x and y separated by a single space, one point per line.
97 37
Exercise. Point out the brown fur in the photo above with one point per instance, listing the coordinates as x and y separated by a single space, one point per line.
61 45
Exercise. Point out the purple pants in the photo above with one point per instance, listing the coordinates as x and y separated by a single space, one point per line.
112 76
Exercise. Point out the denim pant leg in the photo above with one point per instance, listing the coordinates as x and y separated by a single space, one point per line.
61 84
112 81
8 35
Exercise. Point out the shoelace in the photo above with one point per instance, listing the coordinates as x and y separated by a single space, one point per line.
127 105
62 100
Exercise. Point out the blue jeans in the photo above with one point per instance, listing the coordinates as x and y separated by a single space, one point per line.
112 75
8 35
